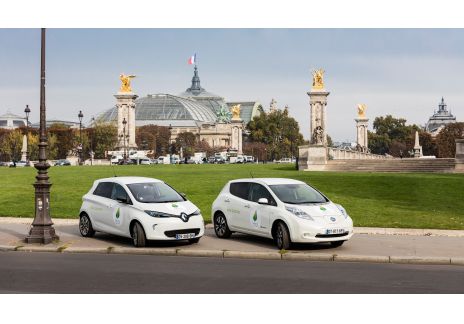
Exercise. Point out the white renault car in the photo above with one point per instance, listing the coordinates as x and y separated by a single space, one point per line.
283 209
140 208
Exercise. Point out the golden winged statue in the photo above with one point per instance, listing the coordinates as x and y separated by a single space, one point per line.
318 79
235 111
126 82
362 110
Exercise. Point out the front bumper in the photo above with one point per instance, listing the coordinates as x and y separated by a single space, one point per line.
166 228
313 233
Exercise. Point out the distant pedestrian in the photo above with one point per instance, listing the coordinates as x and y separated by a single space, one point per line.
401 154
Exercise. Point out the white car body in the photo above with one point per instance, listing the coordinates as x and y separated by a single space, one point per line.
115 217
327 222
145 161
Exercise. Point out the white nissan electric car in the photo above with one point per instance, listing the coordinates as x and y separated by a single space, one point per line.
283 209
140 208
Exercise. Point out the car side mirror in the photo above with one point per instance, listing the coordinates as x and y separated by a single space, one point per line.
263 201
183 195
123 200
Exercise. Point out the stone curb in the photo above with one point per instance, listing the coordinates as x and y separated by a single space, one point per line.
420 260
362 258
307 256
87 250
201 253
142 251
253 255
38 248
287 256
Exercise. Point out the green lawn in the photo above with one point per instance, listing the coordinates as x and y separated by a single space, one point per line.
372 199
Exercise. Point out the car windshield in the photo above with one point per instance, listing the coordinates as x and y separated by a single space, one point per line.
298 194
154 192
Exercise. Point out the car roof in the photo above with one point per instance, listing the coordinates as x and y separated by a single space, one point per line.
269 181
128 180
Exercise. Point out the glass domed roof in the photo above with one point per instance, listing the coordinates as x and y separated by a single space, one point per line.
165 107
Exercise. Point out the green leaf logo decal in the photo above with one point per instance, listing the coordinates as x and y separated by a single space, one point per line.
323 208
117 213
255 216
175 205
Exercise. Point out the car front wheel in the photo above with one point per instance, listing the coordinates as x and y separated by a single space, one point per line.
282 237
220 226
85 226
138 235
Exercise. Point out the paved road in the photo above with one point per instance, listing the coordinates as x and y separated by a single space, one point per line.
22 272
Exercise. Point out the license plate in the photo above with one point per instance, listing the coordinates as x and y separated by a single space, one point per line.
335 231
185 236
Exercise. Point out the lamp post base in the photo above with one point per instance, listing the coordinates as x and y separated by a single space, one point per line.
43 234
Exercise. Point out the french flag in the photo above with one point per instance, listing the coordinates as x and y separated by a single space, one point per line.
192 59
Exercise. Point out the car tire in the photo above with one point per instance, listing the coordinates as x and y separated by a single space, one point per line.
85 226
220 226
282 237
337 243
194 240
138 235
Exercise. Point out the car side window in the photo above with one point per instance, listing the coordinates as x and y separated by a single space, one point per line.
259 191
119 192
104 189
240 189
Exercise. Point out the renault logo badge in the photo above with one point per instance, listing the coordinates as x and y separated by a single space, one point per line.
184 217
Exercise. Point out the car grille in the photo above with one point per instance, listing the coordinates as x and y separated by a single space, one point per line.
182 231
331 235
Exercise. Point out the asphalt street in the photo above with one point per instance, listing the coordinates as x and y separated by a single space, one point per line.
23 272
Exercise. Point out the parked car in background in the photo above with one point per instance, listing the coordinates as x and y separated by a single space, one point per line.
4 164
145 161
249 159
153 161
240 159
126 162
62 162
284 160
139 208
288 211
116 158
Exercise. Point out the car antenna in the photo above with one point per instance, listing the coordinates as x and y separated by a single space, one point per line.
114 171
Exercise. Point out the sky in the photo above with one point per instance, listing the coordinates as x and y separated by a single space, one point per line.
402 72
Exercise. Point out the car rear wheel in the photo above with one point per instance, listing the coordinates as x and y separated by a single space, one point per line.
282 237
85 226
337 243
220 226
138 235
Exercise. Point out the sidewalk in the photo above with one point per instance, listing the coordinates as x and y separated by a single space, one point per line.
367 245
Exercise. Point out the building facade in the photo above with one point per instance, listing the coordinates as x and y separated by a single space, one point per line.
439 119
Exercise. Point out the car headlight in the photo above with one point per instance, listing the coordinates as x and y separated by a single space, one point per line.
298 213
153 213
342 210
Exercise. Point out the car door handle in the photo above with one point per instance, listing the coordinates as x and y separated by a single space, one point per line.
227 200
247 206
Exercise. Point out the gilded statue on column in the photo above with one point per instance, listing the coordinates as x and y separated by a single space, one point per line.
362 110
318 79
235 111
126 82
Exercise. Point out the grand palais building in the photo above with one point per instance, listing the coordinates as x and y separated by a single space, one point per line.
196 110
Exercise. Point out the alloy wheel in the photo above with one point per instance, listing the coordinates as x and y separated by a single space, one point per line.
84 225
220 225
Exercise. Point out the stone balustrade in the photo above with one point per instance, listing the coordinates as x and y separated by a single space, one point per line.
342 154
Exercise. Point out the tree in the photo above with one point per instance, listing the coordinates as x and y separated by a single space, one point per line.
446 145
65 140
395 128
428 144
154 138
378 144
279 131
186 141
258 150
203 146
105 138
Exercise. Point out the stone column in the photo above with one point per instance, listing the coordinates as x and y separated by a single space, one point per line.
125 104
417 147
318 103
24 149
459 155
237 134
361 133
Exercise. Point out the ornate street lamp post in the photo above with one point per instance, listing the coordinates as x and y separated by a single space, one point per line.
79 147
124 123
169 146
27 111
42 230
92 153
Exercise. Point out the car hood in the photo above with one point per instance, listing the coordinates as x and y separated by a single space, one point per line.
323 213
173 208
